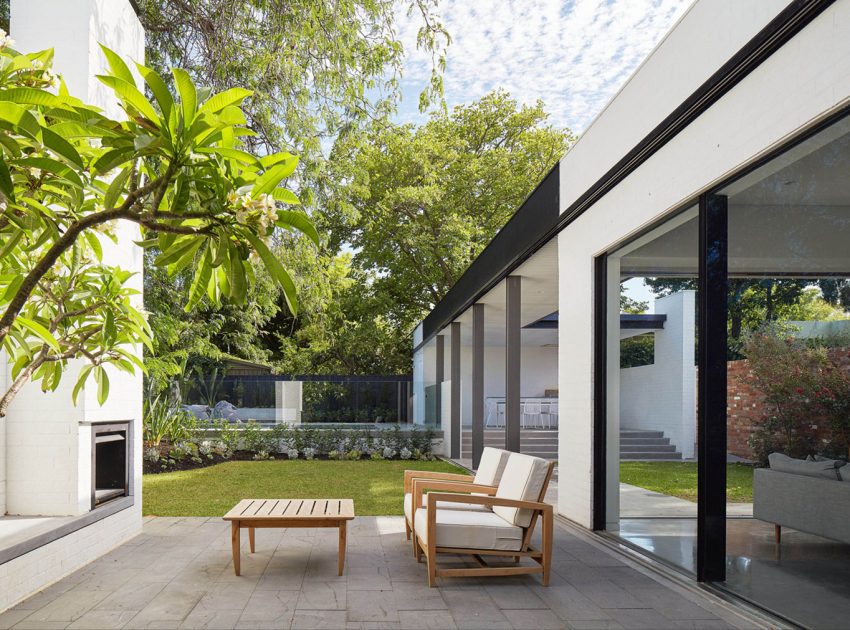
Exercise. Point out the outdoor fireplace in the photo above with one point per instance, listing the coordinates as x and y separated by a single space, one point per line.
110 465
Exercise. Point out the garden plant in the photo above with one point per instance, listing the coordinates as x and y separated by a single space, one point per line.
69 173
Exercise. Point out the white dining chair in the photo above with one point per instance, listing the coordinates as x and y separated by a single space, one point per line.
500 413
552 416
533 411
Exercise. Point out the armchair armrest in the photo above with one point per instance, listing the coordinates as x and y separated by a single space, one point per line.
490 501
420 485
410 475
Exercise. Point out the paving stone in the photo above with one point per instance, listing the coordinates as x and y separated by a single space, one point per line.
322 596
26 624
534 619
179 574
417 596
315 619
103 619
514 596
473 608
171 605
68 607
131 596
606 594
372 606
211 619
642 618
426 619
13 616
268 609
595 624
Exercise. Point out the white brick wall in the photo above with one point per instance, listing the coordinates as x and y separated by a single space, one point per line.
27 574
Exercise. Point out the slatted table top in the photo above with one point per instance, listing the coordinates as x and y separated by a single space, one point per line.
291 509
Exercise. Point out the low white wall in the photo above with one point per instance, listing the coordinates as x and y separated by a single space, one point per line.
662 396
26 574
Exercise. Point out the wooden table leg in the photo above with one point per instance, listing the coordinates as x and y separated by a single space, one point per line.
341 559
235 543
251 538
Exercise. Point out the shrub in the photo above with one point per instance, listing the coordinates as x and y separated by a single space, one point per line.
805 386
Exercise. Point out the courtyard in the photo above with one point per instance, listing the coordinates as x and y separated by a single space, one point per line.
178 573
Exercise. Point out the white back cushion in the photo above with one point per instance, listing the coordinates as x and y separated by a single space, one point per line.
522 480
491 466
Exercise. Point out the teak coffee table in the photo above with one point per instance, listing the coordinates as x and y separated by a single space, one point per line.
254 513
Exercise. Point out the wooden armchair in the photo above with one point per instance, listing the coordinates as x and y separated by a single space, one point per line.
493 461
500 524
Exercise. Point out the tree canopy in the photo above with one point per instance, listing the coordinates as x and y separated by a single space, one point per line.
418 204
68 173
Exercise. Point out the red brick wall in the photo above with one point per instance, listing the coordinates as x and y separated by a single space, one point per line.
745 406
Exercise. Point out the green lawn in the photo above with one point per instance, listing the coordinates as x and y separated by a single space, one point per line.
375 486
679 479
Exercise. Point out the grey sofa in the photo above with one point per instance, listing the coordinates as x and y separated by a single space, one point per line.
809 504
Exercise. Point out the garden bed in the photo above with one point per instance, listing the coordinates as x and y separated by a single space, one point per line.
190 446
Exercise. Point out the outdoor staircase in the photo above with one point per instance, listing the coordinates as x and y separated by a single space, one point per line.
540 442
641 445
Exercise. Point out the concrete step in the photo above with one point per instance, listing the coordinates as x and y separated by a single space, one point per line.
640 433
658 441
647 448
649 457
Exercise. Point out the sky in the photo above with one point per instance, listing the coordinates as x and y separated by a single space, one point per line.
572 54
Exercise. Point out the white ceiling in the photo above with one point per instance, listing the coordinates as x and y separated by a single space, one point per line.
539 298
790 217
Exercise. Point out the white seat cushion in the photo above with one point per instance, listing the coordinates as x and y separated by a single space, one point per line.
468 529
443 505
491 466
522 480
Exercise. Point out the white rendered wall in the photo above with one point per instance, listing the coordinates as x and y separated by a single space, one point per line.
798 85
662 396
48 469
538 372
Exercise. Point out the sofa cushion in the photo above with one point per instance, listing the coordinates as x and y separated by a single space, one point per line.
522 480
844 473
491 466
824 469
468 529
442 505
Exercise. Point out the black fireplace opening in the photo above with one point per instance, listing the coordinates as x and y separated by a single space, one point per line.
110 462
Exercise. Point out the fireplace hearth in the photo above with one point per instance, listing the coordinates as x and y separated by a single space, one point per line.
110 464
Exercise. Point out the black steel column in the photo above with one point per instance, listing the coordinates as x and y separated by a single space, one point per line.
477 383
455 391
438 397
513 343
711 388
600 390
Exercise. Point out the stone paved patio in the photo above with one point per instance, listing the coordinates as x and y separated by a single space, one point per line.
178 573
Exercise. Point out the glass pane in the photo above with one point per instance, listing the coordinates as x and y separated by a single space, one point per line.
652 485
788 396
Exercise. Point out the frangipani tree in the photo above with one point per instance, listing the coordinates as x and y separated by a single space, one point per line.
68 173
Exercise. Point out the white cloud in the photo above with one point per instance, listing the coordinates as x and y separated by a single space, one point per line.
572 54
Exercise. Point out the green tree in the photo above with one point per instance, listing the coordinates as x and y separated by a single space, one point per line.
68 173
420 203
317 67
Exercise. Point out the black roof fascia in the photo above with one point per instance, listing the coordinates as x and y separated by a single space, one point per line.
790 21
649 322
508 249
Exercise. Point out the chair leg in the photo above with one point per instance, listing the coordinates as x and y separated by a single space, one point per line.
432 566
777 532
547 545
407 528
